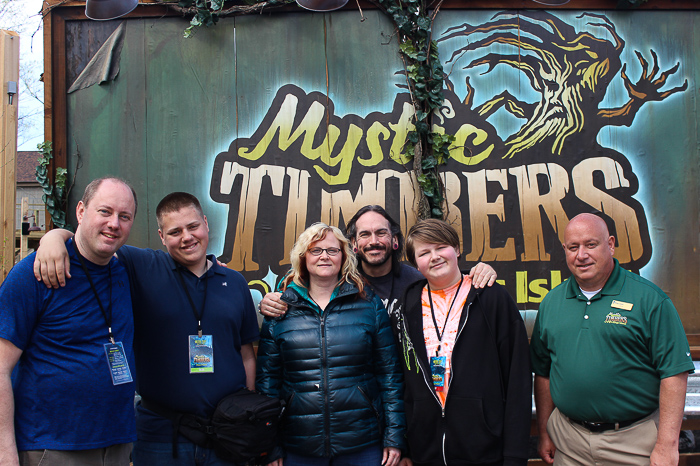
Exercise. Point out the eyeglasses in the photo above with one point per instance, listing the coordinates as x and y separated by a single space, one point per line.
319 251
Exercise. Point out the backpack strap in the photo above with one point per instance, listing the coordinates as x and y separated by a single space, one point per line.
180 420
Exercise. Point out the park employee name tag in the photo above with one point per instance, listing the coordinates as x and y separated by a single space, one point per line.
201 354
622 305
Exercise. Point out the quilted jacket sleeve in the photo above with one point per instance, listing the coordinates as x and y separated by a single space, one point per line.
390 379
269 364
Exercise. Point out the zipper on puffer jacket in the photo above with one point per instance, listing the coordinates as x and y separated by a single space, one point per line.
291 397
374 410
324 367
303 304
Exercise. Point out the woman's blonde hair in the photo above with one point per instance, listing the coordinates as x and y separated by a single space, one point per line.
299 274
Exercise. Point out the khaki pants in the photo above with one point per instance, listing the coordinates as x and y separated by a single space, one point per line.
576 445
115 455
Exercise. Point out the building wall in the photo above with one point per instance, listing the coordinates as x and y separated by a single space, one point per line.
36 205
278 121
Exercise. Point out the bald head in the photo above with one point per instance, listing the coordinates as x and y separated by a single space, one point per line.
589 251
589 222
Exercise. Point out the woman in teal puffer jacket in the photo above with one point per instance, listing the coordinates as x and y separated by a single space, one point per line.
332 358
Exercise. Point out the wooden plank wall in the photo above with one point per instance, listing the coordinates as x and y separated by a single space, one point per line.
9 72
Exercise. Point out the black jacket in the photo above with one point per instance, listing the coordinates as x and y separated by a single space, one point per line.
338 371
488 409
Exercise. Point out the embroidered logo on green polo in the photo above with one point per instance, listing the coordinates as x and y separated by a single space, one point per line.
615 318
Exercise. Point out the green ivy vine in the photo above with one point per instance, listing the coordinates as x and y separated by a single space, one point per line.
208 12
428 149
55 196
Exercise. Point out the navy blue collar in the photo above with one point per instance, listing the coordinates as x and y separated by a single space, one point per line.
214 269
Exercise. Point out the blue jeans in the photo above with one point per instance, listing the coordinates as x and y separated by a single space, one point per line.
370 456
161 454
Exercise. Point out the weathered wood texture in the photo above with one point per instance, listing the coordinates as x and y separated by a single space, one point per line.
9 72
176 102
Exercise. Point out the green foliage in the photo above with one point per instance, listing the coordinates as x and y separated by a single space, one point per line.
55 196
208 12
425 77
203 17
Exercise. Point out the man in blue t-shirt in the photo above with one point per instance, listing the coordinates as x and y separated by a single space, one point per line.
70 398
195 325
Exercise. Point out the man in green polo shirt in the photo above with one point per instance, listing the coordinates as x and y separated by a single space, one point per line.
611 360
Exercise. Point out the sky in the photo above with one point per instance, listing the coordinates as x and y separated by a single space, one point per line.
31 54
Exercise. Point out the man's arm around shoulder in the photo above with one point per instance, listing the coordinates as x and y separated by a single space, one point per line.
9 355
51 262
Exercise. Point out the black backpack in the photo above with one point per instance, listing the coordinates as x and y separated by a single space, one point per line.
245 426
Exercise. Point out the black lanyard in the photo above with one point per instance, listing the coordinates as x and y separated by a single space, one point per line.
432 311
199 315
107 316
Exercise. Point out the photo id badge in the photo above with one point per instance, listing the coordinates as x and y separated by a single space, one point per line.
201 354
118 365
437 367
